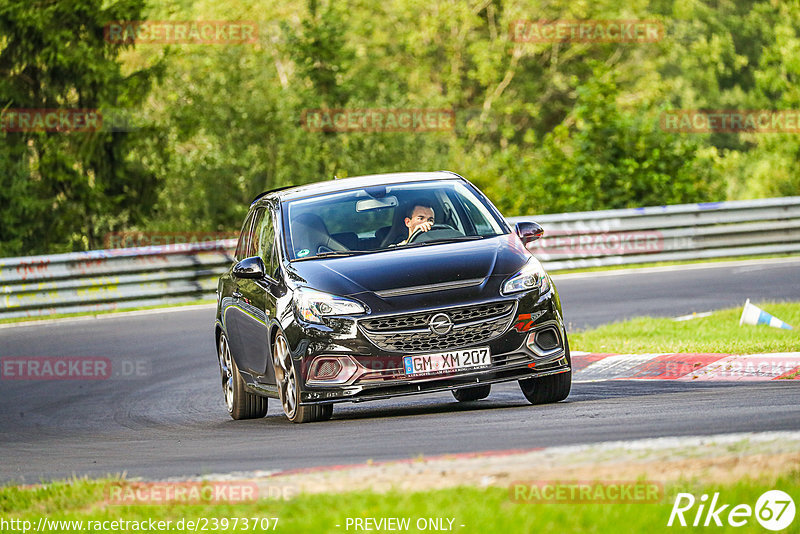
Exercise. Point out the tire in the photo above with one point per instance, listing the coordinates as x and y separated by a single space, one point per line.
288 387
548 389
241 404
472 393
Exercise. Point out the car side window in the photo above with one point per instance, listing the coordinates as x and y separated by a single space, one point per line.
254 246
266 241
244 238
275 263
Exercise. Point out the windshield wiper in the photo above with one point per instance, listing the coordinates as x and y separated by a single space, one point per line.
448 240
335 253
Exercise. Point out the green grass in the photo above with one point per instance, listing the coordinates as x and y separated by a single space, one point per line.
479 510
105 312
669 263
719 332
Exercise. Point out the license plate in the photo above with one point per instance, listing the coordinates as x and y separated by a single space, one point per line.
447 362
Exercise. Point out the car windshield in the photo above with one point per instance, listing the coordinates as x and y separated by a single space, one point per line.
386 217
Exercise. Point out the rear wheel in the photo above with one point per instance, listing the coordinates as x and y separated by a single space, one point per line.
289 387
241 404
548 389
473 393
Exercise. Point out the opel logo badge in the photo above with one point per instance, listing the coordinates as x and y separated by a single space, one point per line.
441 324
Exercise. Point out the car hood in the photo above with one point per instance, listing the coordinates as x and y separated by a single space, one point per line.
415 267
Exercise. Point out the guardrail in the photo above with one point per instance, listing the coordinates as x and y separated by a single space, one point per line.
112 279
668 233
132 277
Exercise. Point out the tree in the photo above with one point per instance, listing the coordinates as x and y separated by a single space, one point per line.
64 190
605 157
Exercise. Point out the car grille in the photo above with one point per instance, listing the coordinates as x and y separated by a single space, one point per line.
410 333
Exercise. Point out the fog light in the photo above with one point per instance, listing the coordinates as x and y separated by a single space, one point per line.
331 370
325 369
545 341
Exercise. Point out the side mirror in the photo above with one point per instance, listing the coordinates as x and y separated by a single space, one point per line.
528 231
250 268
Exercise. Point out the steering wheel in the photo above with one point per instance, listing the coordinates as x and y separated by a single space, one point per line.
416 233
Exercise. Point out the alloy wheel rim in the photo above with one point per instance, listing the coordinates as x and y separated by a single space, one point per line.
226 371
285 376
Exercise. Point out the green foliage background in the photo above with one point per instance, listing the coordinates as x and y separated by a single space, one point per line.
544 127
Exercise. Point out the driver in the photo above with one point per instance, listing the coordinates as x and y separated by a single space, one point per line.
419 217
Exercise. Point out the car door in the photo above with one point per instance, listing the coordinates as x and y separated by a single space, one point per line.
258 303
232 312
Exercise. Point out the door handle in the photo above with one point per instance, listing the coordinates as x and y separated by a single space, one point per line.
236 294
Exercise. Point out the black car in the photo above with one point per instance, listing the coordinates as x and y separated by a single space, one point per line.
380 286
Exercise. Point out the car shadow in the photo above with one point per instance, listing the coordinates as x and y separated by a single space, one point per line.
355 412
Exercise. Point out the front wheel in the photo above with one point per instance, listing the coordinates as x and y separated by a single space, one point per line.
241 404
289 387
473 393
548 389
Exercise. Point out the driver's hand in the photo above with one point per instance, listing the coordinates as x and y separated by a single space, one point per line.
423 227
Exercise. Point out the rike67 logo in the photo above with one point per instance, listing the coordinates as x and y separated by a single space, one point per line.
774 510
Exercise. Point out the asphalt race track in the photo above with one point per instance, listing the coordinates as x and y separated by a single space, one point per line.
161 413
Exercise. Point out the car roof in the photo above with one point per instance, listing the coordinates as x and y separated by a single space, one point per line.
356 182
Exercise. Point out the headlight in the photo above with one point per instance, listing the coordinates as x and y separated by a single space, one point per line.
312 305
531 276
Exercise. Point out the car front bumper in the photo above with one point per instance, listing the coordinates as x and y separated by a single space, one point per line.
515 355
411 386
